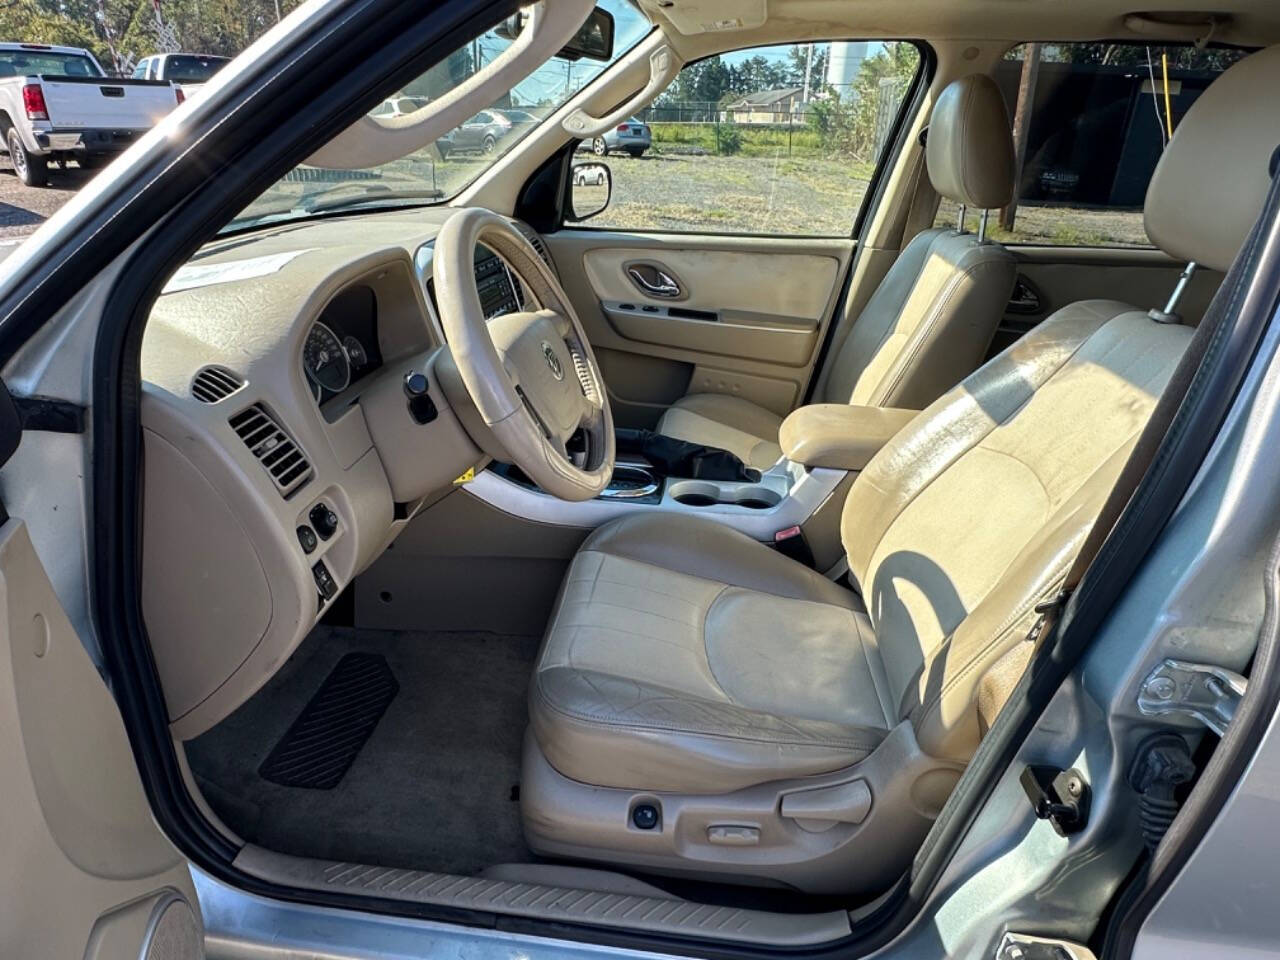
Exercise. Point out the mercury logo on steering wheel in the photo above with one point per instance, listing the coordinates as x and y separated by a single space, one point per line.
553 361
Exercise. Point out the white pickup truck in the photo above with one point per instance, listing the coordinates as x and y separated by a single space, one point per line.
190 71
57 103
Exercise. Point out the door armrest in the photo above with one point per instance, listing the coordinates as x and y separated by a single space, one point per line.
839 435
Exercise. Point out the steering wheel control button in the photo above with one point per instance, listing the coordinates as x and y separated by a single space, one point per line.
307 537
324 580
324 520
644 816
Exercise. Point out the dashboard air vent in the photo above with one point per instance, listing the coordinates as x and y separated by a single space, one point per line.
212 384
275 449
538 244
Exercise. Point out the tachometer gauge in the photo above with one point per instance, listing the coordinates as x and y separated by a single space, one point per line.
324 360
355 352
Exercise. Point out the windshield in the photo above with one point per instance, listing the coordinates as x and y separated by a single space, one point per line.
186 69
442 169
21 63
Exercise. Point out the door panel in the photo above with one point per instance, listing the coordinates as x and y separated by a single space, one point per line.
1057 276
747 316
84 871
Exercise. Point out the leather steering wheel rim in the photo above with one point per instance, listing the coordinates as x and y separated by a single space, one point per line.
532 375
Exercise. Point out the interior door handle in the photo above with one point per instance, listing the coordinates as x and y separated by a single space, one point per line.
654 281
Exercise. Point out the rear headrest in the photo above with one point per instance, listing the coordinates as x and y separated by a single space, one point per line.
1212 181
970 148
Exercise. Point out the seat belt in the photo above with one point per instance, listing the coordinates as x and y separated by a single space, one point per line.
924 199
1000 679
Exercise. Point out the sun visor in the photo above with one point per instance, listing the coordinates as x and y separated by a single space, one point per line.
372 141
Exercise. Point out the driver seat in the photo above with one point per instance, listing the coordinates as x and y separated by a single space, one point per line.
703 704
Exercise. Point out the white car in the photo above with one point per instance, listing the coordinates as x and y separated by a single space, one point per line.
190 71
58 104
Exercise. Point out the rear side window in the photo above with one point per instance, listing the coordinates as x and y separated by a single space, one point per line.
1094 119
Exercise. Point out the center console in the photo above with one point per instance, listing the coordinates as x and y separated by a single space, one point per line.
824 448
786 496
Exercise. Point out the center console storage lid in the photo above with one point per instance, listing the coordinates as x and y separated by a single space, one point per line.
838 435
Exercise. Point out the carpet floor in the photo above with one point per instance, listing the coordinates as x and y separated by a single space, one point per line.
435 786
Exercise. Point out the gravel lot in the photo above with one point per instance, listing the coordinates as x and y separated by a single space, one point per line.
24 208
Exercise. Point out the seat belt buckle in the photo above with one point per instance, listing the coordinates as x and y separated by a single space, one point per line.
790 542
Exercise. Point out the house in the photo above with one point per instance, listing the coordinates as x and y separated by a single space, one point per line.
765 106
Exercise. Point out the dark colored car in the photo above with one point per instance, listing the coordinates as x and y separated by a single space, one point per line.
482 132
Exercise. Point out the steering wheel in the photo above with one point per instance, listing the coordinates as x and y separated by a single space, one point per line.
532 376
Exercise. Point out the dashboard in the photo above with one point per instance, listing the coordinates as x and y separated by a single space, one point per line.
293 423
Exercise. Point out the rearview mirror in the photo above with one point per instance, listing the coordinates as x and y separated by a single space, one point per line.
590 186
594 39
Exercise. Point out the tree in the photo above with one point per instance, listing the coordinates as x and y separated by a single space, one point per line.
796 61
706 81
849 126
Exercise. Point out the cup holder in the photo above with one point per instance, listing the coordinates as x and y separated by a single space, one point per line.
703 493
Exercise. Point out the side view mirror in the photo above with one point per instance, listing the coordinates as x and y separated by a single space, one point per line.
590 187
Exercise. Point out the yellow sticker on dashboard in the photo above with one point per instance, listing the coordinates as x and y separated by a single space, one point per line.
467 477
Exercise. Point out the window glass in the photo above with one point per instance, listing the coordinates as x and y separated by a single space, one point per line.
441 169
1096 118
186 68
48 63
771 140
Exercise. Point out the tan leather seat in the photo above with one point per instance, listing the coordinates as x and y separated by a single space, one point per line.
930 321
784 728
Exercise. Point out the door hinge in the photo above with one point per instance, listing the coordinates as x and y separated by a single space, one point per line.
1020 946
1059 796
1198 690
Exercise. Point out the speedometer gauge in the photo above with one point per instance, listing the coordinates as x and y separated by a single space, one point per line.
324 360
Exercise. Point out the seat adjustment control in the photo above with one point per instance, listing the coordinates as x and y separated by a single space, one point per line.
644 816
733 835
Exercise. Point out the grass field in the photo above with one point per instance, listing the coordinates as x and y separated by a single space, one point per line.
807 195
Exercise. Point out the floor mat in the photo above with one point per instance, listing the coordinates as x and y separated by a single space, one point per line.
334 725
433 786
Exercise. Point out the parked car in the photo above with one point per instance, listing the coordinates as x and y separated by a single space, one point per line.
190 71
634 137
402 104
590 175
58 104
482 132
521 120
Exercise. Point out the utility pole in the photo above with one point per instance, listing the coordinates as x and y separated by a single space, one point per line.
1022 125
808 69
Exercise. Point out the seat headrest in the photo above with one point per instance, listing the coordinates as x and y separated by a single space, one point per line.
970 148
1212 180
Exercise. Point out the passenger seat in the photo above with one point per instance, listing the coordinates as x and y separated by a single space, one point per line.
929 323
